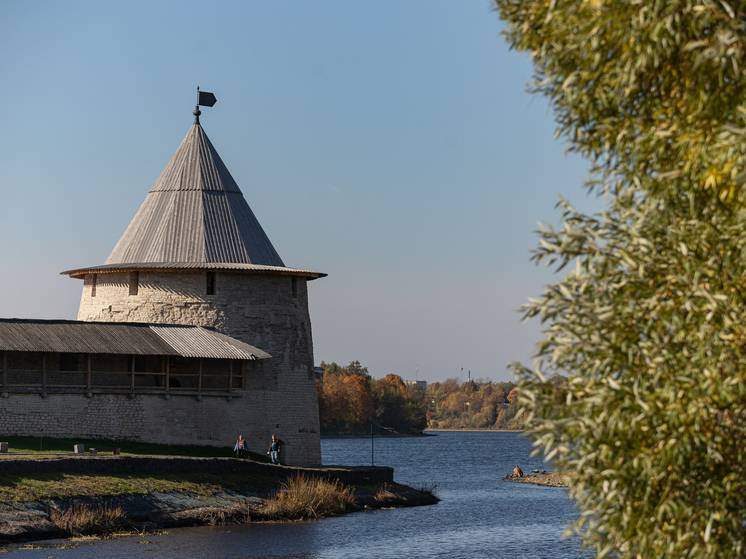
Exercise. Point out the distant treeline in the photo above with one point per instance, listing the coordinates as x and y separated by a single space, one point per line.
350 400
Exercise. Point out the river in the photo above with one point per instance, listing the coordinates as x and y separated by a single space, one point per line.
480 515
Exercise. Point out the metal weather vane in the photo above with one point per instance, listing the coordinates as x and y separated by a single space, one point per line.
205 99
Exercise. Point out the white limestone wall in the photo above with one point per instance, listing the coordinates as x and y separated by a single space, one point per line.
150 418
262 310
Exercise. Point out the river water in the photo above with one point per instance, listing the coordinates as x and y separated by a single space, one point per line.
479 516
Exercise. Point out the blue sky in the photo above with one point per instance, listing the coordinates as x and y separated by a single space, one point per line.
389 144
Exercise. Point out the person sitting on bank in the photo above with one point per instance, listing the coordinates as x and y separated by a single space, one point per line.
274 450
517 472
240 446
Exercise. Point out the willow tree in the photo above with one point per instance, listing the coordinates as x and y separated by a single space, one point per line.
649 319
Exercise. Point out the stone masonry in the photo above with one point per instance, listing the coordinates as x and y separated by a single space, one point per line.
267 311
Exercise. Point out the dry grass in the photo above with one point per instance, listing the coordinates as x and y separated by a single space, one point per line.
213 517
303 498
88 520
384 494
428 489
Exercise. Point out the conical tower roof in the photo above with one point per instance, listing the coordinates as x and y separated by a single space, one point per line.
194 216
195 213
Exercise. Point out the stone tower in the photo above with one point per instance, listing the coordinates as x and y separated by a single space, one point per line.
195 254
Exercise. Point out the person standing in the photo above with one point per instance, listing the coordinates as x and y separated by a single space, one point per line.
274 450
240 446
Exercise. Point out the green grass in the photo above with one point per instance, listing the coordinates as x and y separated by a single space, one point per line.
31 445
59 485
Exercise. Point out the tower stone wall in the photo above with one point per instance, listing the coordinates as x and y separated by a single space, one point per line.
266 311
150 418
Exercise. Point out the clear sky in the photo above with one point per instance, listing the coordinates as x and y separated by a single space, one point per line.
389 144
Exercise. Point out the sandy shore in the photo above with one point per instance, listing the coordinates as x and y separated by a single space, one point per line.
548 479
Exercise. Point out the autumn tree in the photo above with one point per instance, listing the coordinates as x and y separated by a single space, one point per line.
360 401
648 322
350 401
473 404
512 395
390 395
334 405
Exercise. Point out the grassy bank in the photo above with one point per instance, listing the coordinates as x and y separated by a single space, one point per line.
64 486
39 446
52 505
298 498
38 505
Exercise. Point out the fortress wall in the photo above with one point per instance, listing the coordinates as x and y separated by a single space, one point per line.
213 421
266 311
72 415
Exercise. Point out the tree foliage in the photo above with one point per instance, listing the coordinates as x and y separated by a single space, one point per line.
649 321
478 404
350 400
353 368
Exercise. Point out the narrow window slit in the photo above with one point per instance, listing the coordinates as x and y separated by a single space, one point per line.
211 283
134 282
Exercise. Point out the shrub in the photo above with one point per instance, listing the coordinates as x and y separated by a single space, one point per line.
649 319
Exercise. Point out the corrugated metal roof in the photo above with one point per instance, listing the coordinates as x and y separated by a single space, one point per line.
121 338
200 342
195 212
228 266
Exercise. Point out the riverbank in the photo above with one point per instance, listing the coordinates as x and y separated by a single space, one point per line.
364 436
477 430
149 493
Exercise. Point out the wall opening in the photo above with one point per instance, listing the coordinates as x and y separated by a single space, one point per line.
210 287
71 362
295 287
134 282
29 372
93 284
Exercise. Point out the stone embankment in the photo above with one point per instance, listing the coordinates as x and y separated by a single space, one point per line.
31 521
117 465
548 479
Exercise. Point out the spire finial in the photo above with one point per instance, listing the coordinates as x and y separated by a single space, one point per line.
196 114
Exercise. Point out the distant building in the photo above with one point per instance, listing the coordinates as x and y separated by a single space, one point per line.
193 255
421 383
